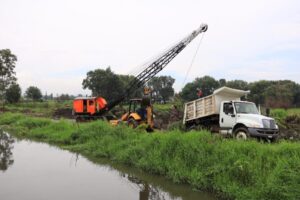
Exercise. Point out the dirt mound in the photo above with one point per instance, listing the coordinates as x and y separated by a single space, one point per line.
63 113
163 119
290 133
292 119
3 109
290 128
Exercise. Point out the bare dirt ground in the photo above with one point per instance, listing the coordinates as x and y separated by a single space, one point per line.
63 113
290 128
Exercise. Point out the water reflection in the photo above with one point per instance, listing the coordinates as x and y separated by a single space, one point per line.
147 191
153 187
6 146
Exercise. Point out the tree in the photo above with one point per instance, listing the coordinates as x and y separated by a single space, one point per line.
13 93
103 83
162 87
126 79
33 93
7 73
237 84
206 84
297 95
278 96
257 89
65 97
282 93
222 82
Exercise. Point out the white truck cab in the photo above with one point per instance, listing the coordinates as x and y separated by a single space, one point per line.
224 112
243 119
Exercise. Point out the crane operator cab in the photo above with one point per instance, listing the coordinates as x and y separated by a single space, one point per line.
85 108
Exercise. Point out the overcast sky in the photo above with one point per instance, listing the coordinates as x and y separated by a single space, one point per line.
58 41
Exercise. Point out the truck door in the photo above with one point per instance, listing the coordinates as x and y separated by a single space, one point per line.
227 115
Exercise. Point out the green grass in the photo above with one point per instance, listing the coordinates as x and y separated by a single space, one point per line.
294 111
280 113
163 107
44 109
233 169
284 117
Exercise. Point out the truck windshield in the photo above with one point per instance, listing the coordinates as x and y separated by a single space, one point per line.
243 107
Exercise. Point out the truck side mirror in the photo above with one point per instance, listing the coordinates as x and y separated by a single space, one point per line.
233 115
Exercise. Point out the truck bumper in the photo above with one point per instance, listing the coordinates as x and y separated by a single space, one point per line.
263 133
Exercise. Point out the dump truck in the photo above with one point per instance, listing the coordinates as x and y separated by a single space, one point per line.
224 112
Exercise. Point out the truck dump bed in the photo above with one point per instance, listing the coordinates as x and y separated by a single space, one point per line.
210 105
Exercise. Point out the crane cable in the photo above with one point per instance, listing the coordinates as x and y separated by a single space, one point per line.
145 64
193 59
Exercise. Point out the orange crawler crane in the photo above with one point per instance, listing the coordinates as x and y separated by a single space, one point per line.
85 108
97 107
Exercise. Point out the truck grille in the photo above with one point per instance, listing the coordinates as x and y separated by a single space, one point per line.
269 123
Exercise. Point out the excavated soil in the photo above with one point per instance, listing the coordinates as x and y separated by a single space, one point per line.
290 128
63 113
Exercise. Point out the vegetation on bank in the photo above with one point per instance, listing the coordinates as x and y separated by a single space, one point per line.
288 121
281 114
234 169
39 109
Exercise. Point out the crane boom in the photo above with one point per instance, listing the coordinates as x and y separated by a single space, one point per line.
156 66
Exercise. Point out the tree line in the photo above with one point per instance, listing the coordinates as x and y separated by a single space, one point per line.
10 90
273 94
106 83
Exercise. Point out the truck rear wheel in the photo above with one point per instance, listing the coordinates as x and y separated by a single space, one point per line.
241 133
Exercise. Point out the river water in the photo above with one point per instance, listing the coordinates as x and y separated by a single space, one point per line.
38 171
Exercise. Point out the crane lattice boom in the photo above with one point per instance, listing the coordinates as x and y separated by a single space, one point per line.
156 66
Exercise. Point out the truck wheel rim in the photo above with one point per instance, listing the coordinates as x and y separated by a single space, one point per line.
241 135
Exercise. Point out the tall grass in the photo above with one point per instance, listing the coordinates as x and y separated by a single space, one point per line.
280 113
233 169
44 108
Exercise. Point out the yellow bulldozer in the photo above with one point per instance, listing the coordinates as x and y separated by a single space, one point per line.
140 111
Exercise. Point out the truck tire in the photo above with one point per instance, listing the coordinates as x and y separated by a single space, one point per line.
132 123
241 133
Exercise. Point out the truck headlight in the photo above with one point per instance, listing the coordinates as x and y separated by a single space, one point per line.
255 125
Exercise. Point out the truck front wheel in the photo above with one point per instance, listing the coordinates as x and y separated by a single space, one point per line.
241 133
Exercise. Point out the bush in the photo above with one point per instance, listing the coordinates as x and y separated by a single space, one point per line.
279 114
176 126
